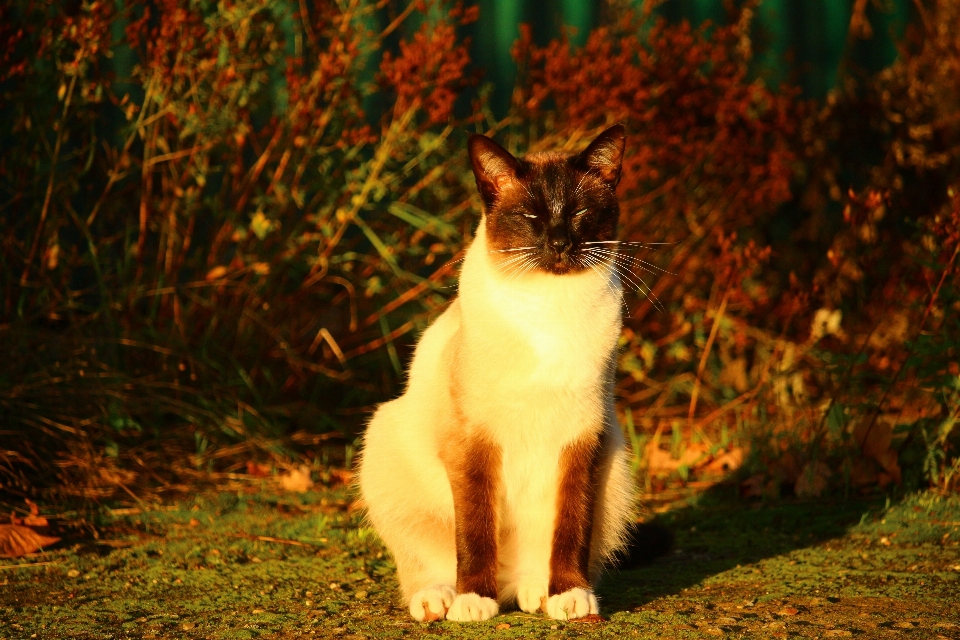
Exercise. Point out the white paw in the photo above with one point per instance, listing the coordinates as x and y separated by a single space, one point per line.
575 603
431 603
469 607
532 597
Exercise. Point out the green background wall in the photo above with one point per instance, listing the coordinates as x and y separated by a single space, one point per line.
797 41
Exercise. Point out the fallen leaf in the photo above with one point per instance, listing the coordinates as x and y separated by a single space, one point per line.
593 618
343 476
216 273
297 480
789 611
16 541
258 469
727 462
502 626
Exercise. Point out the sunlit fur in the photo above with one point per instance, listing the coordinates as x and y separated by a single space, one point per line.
527 357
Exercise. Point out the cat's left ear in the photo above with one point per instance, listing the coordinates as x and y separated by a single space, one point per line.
605 154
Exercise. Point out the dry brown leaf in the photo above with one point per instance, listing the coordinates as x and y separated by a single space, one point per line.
343 476
727 462
16 541
297 480
258 469
502 626
593 618
659 460
788 611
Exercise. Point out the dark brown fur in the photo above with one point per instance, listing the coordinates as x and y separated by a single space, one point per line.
570 555
535 201
474 472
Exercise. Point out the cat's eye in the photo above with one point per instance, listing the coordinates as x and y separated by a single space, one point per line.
581 212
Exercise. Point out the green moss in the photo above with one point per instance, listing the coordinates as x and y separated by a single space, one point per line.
228 566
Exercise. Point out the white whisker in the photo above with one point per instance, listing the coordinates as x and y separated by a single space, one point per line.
507 262
626 273
604 271
514 249
638 262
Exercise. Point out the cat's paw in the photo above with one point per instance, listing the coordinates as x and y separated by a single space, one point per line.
575 603
532 597
470 607
432 603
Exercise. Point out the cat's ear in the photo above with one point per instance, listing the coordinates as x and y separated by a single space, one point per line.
493 167
605 154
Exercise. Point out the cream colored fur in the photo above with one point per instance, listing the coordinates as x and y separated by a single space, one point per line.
530 358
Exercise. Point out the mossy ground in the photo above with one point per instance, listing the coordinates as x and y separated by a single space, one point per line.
225 565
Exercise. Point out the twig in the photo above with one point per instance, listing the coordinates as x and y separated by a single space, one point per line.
379 342
706 353
412 292
250 536
24 566
53 172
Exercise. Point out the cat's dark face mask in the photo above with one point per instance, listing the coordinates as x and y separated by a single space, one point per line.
549 207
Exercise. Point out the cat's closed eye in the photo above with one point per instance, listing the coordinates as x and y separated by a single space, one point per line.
581 212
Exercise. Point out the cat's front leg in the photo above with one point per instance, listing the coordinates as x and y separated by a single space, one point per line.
474 472
570 593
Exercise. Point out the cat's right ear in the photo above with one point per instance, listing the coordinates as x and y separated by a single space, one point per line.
493 167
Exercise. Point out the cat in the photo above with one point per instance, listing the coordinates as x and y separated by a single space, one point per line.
500 476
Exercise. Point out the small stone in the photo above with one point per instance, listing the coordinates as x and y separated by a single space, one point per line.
360 595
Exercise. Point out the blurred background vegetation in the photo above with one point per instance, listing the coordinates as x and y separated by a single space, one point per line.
225 224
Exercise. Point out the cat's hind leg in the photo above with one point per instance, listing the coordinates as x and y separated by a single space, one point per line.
410 505
427 579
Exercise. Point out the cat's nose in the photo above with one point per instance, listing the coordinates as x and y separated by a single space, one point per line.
560 244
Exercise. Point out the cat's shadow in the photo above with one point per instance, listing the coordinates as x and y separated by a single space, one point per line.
717 532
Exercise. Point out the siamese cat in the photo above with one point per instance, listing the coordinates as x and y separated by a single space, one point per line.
500 476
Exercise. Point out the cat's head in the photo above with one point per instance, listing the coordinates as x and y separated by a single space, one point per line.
550 207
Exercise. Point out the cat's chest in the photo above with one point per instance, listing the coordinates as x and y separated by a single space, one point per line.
548 336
